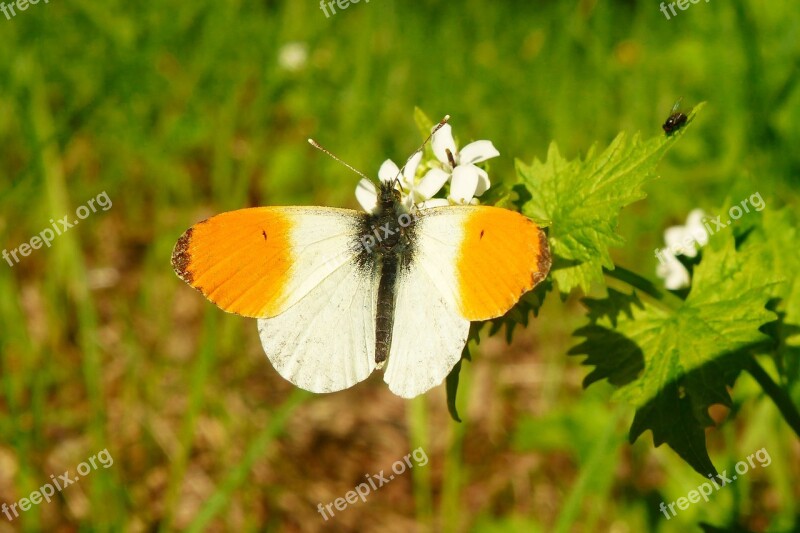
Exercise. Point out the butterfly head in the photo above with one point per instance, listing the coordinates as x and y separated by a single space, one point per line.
389 198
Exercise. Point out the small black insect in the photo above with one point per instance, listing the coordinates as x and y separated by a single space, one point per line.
676 119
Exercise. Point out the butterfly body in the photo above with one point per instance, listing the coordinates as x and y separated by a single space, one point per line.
394 231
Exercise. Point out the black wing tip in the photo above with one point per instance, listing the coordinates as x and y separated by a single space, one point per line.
545 260
181 258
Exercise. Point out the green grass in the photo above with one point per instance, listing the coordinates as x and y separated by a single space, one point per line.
179 110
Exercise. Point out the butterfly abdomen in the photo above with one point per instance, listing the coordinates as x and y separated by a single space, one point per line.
385 315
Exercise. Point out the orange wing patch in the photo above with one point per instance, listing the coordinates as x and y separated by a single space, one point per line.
240 260
502 256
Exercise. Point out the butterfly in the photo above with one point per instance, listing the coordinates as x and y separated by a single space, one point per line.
339 293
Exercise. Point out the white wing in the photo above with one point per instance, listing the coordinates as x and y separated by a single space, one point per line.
428 334
326 341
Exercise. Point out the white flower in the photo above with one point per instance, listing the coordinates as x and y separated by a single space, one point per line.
673 272
410 191
467 180
292 56
681 240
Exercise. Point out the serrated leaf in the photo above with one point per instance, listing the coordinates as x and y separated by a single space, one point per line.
612 306
680 429
580 200
775 237
620 360
529 304
673 365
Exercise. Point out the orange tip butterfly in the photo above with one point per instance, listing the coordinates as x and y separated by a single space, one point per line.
339 293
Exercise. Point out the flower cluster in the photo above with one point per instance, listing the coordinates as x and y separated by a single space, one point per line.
681 240
419 187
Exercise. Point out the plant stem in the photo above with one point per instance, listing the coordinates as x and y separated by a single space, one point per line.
778 395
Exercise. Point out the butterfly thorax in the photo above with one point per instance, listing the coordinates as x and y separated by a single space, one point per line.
389 229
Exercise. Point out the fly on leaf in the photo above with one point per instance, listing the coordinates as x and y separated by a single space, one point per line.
677 118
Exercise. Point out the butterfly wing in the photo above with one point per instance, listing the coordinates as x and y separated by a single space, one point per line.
469 263
258 262
297 270
428 333
326 341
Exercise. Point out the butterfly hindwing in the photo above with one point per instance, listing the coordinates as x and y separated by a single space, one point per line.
428 334
325 342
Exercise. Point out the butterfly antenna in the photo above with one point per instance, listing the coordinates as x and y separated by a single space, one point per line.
434 130
316 145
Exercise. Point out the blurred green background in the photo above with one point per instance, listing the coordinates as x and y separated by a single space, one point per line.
179 110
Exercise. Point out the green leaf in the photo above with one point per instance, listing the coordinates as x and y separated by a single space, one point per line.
580 200
500 195
451 385
610 307
775 238
673 365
